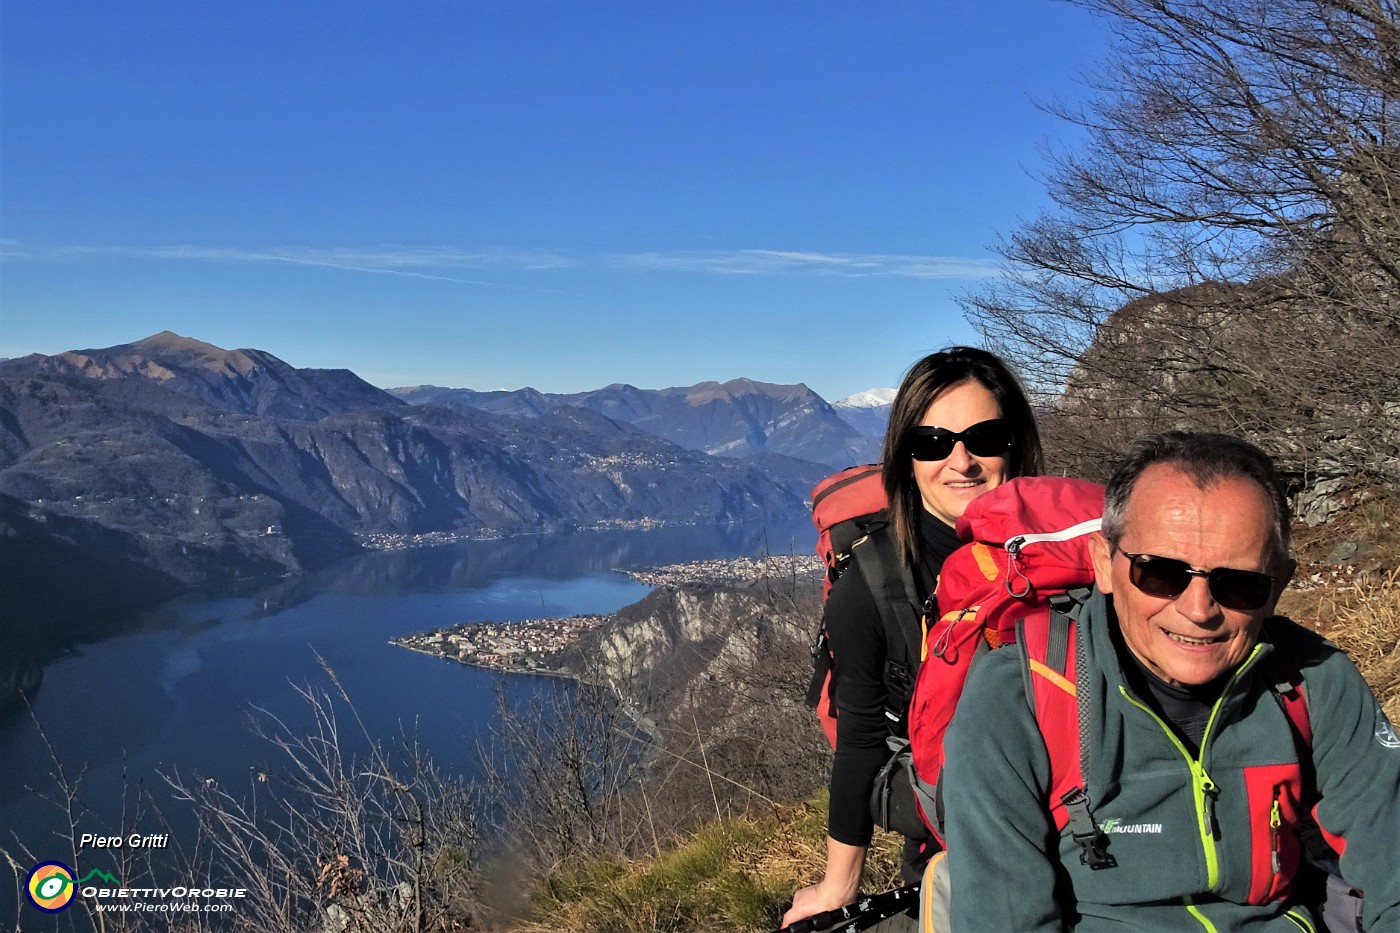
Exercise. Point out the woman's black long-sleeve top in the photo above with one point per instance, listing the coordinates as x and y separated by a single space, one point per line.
858 647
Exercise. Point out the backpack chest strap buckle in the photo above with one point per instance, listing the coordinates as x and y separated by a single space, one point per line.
1093 841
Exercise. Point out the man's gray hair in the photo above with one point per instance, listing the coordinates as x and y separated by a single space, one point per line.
1206 459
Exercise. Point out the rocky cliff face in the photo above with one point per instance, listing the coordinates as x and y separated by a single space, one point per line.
1313 382
717 677
661 650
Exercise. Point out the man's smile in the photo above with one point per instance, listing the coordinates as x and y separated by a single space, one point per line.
1197 641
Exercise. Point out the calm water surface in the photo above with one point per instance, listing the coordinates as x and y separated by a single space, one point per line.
172 689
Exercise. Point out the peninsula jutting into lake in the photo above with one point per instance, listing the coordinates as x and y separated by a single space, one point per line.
520 647
530 645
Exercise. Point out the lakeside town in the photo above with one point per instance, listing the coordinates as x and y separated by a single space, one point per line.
529 645
398 541
734 571
520 647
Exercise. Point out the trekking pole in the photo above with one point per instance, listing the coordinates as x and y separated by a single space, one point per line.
862 915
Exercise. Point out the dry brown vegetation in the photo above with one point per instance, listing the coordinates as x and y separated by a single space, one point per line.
1363 619
1368 629
1355 603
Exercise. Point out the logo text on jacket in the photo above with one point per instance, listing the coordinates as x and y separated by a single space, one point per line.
1117 826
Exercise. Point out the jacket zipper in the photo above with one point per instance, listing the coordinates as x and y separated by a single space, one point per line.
1205 790
1275 840
1300 919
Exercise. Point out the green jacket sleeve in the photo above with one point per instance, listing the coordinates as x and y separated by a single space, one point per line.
1356 754
997 825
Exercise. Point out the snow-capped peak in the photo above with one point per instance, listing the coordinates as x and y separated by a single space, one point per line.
870 398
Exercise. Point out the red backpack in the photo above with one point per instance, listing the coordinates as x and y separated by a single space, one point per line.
848 509
1019 578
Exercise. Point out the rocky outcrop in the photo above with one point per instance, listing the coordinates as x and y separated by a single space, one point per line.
717 677
680 639
1312 381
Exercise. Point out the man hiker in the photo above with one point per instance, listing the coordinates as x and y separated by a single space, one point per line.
1210 731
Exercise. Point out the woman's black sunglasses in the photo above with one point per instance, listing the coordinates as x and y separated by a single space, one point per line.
984 439
1168 578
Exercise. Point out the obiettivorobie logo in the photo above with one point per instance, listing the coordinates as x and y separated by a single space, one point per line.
51 885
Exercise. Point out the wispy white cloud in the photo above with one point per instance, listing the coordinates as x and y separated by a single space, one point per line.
445 264
415 262
768 262
13 249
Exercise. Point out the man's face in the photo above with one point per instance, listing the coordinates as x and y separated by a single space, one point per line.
1190 639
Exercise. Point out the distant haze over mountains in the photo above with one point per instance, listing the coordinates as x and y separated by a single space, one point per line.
739 418
128 473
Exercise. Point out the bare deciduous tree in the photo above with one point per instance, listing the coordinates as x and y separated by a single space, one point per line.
1226 249
330 843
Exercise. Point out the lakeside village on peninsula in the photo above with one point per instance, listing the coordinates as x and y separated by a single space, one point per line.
529 645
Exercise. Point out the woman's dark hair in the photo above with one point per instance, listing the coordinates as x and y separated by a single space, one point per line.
925 381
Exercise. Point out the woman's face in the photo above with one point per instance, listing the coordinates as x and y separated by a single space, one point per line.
948 485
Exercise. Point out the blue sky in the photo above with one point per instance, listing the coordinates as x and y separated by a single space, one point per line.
560 194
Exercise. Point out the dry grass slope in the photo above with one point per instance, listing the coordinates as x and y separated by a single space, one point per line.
1367 628
735 876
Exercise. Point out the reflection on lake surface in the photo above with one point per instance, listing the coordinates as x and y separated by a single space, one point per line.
171 689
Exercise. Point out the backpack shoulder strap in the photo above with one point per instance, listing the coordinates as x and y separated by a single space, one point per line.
1286 683
1051 672
897 597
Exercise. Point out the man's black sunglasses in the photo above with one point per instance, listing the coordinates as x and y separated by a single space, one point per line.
1168 578
984 439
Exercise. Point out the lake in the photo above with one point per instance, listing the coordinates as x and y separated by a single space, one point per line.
173 687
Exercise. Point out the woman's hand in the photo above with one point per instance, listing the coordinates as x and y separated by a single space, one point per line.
812 900
838 887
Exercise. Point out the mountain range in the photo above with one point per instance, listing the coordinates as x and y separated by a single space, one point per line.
739 418
131 472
